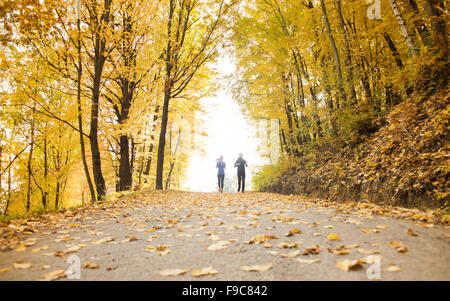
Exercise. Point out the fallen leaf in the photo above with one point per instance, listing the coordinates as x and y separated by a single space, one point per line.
353 221
214 237
333 236
256 268
103 240
370 231
4 270
293 231
308 261
21 248
393 268
130 239
164 252
259 239
367 252
22 265
45 267
381 227
204 272
218 246
338 252
90 265
29 243
74 249
111 268
54 275
39 249
314 250
157 248
173 272
291 254
347 264
412 233
399 246
349 246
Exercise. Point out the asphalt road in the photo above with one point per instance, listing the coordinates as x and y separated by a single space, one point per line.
144 235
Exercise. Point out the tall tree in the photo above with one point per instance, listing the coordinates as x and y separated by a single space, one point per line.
192 40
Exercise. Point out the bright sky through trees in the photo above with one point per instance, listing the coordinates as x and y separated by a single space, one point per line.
229 133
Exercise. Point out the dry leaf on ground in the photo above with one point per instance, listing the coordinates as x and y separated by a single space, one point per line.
4 270
412 233
399 246
54 275
256 268
20 265
347 264
293 231
173 272
333 236
367 252
90 265
314 250
204 272
338 251
393 268
291 254
218 246
308 261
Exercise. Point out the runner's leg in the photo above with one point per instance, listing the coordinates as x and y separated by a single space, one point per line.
239 182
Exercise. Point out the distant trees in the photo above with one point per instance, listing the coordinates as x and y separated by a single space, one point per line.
327 71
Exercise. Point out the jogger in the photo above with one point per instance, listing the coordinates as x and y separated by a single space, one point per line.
220 165
241 164
220 179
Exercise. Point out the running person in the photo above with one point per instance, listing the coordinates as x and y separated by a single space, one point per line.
220 165
241 164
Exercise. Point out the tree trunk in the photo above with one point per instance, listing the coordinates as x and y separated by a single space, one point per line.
128 86
404 29
152 138
172 164
99 59
162 138
125 177
1 164
80 116
8 199
394 51
421 27
93 138
30 159
45 190
58 188
435 9
336 54
348 53
167 92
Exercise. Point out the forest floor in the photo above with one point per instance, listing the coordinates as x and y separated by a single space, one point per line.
210 236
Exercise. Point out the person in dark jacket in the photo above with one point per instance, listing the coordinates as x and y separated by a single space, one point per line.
241 164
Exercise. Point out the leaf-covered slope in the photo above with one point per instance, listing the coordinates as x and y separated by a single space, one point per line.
406 162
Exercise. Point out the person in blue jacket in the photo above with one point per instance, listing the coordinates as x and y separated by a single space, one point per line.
220 165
